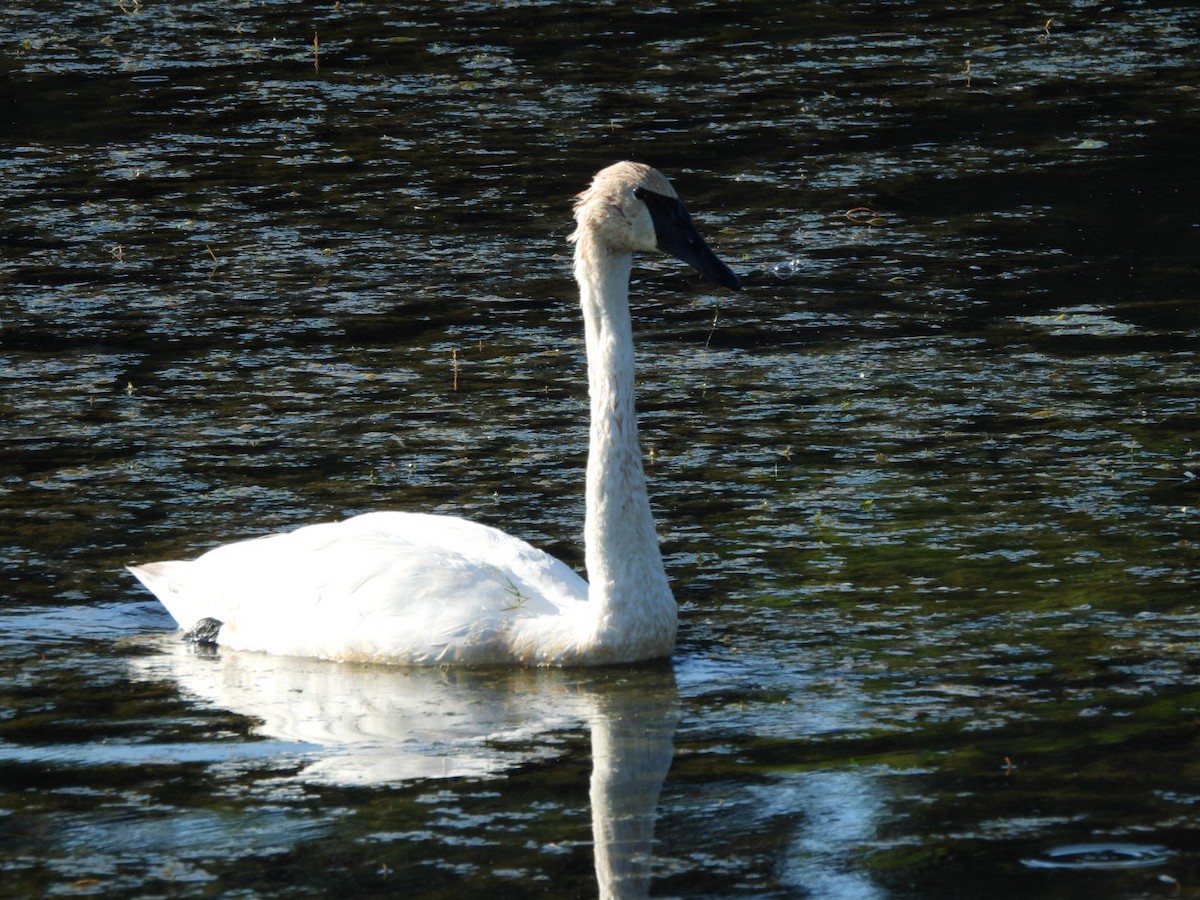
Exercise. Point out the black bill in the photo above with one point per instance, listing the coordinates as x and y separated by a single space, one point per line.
679 237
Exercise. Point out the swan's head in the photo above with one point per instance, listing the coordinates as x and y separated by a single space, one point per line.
631 207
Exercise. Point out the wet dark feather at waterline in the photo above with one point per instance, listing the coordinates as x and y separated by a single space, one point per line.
204 631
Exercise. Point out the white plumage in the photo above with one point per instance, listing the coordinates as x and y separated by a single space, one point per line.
416 589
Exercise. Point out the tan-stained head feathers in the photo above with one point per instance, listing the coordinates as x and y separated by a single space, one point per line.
610 210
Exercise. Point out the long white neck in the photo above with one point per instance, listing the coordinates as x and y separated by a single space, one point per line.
627 584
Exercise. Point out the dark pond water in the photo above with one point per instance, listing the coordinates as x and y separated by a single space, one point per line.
928 488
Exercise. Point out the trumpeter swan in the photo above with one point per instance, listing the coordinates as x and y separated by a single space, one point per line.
412 588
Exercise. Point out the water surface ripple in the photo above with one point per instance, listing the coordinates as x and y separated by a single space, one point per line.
928 488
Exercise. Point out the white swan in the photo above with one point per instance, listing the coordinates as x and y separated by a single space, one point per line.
417 589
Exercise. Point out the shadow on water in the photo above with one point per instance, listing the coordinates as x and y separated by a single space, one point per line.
927 489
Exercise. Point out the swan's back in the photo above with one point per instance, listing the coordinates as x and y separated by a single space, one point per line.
393 586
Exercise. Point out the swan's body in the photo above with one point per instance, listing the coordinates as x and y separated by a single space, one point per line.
423 589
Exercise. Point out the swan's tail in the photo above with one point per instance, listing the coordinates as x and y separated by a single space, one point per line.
166 582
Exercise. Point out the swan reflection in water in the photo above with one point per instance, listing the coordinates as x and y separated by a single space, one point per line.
374 725
349 724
